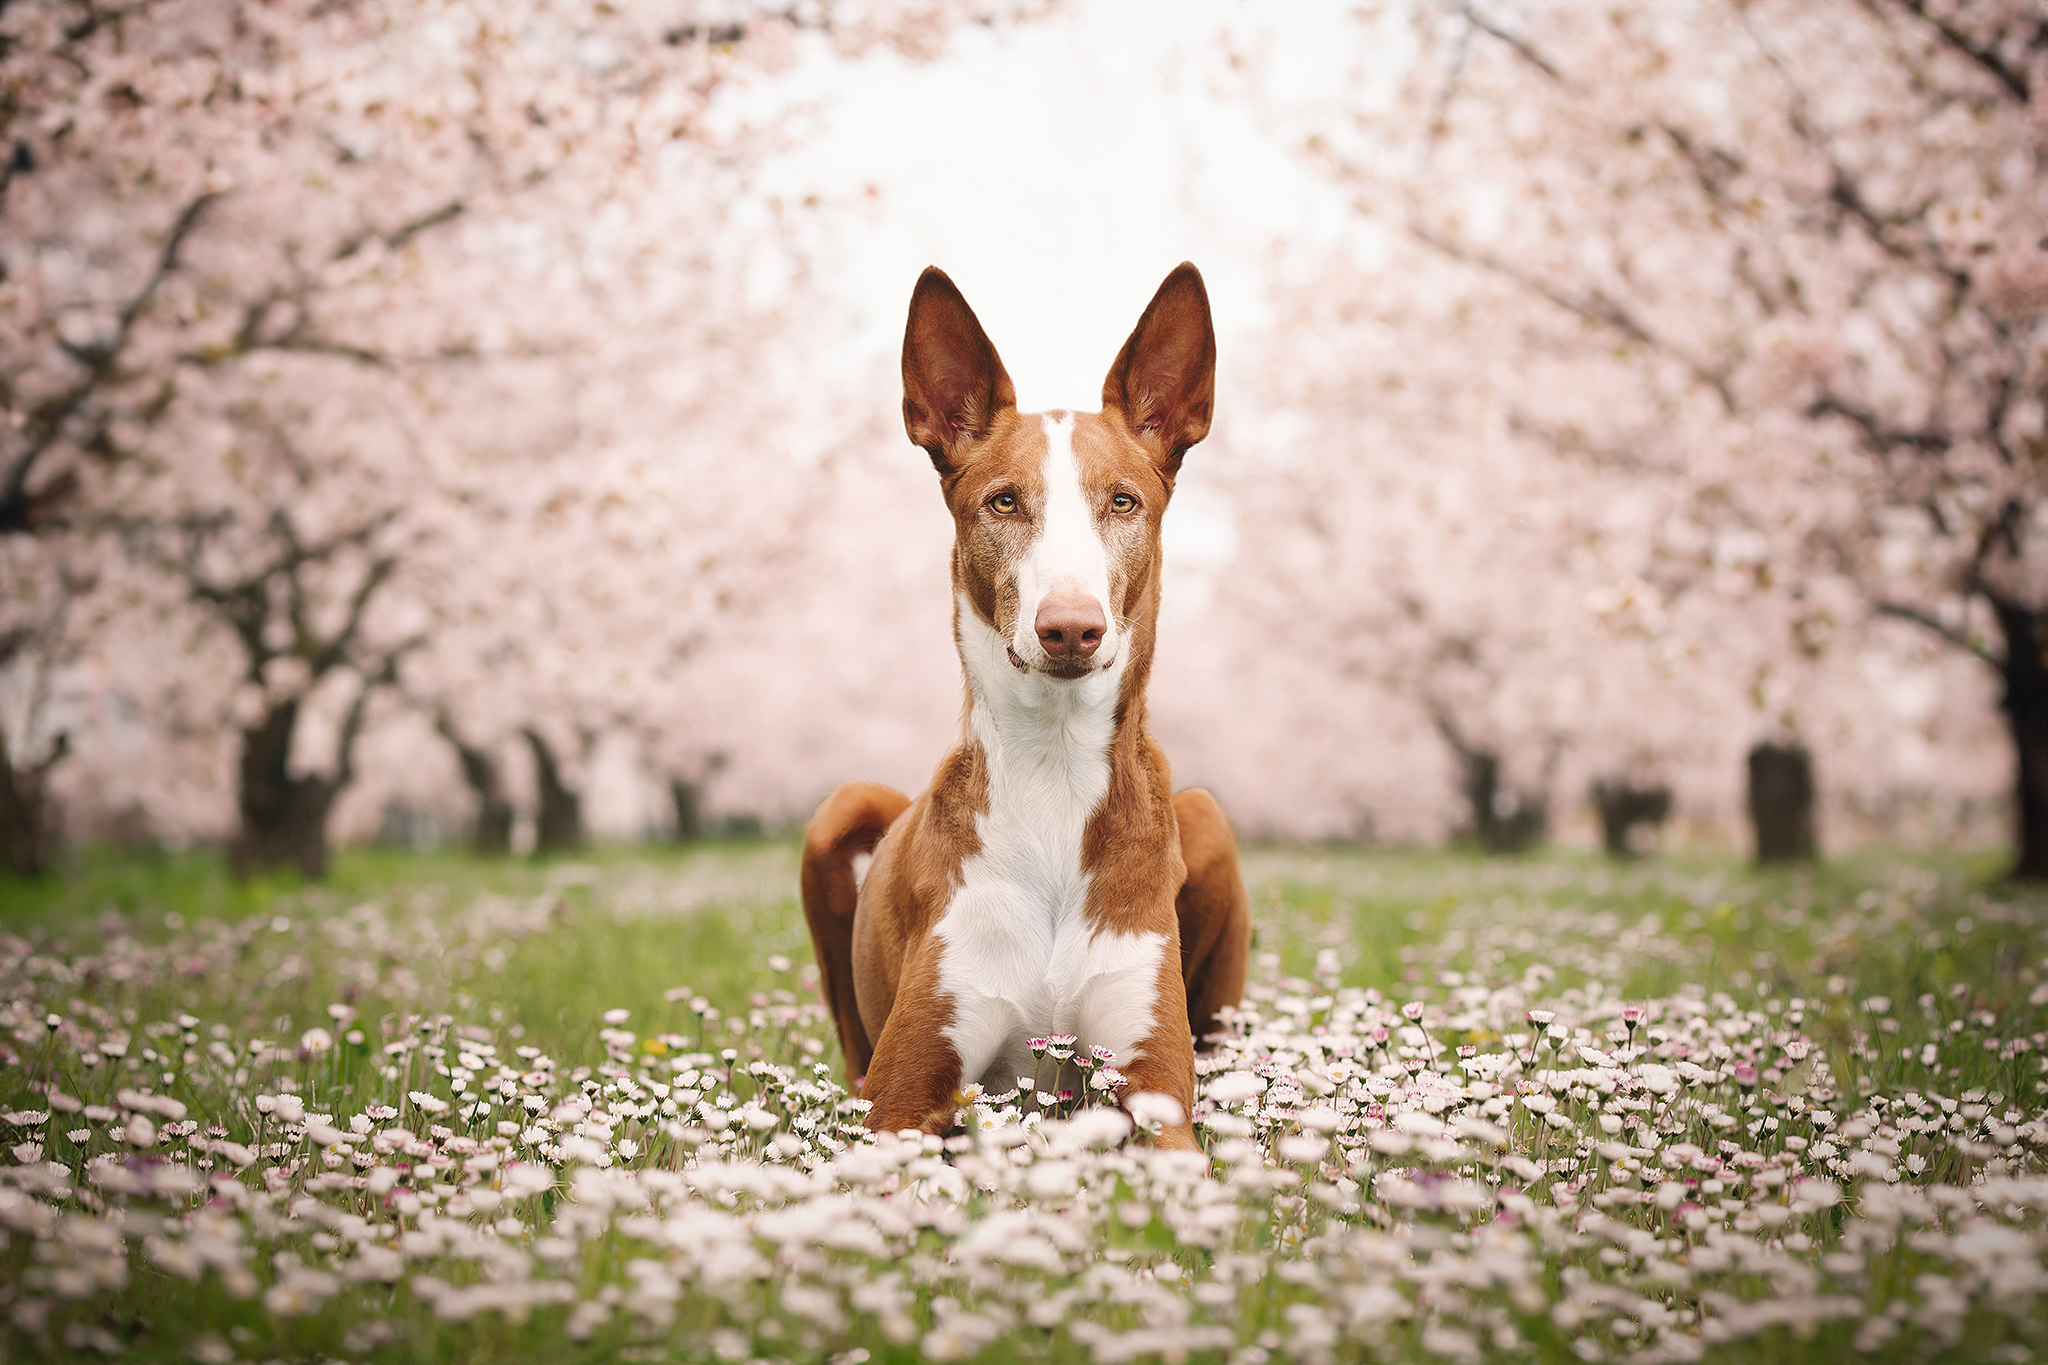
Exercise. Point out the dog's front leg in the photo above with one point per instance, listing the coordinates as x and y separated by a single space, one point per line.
914 1079
1165 1061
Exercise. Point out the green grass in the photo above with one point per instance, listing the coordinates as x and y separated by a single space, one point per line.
1884 961
611 937
633 923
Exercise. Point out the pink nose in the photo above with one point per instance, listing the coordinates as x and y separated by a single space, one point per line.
1070 627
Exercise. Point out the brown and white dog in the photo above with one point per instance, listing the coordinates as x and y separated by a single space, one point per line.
1047 881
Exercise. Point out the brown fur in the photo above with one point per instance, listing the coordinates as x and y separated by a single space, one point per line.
850 823
1157 863
1214 911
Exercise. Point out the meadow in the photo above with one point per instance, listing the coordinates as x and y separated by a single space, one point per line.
1542 1109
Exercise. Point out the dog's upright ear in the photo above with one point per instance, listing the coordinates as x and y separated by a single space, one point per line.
1163 383
954 384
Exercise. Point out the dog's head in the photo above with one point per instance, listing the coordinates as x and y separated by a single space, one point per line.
1056 515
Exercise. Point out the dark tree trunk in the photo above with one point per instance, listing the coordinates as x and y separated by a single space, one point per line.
27 823
1781 803
559 823
1624 808
284 818
492 832
2026 712
688 798
1503 819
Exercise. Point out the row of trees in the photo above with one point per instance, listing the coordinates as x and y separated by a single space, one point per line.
376 359
1730 421
417 397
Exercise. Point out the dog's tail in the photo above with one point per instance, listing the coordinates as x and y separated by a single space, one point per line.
850 823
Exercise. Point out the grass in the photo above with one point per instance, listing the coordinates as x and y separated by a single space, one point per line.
1871 1027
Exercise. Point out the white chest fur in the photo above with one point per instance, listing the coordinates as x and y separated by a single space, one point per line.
1018 957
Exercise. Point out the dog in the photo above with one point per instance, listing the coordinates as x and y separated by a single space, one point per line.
1048 881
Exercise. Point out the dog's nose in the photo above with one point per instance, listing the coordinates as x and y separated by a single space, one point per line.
1070 626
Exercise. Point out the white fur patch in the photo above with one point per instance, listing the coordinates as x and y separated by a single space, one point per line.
1068 552
1018 957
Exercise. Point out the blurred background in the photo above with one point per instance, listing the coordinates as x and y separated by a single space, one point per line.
477 423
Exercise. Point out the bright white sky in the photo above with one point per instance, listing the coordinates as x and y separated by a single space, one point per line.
1058 169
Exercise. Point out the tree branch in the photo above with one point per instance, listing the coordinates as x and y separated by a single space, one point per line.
1595 307
48 419
20 160
1951 634
405 232
1713 167
1845 193
60 749
245 602
1987 58
337 648
1570 440
1449 729
1877 437
1516 44
2004 527
384 675
250 336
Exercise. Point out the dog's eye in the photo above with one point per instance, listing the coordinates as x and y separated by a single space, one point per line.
1004 503
1123 502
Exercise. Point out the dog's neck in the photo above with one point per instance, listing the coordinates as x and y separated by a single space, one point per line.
1041 735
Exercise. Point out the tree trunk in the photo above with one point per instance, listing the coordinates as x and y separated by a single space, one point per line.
1503 819
284 818
491 835
1781 803
558 825
688 799
27 828
1623 808
2026 711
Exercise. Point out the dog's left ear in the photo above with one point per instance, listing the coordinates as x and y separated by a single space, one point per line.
1163 383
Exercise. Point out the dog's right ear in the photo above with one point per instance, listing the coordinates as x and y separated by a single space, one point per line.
954 384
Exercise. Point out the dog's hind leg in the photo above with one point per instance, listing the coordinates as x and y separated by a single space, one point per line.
1213 909
850 823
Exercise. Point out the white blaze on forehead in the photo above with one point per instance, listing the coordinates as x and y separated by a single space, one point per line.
1069 553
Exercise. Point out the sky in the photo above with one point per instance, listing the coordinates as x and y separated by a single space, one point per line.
1057 170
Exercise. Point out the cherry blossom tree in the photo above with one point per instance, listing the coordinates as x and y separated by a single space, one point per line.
394 371
1761 284
311 296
